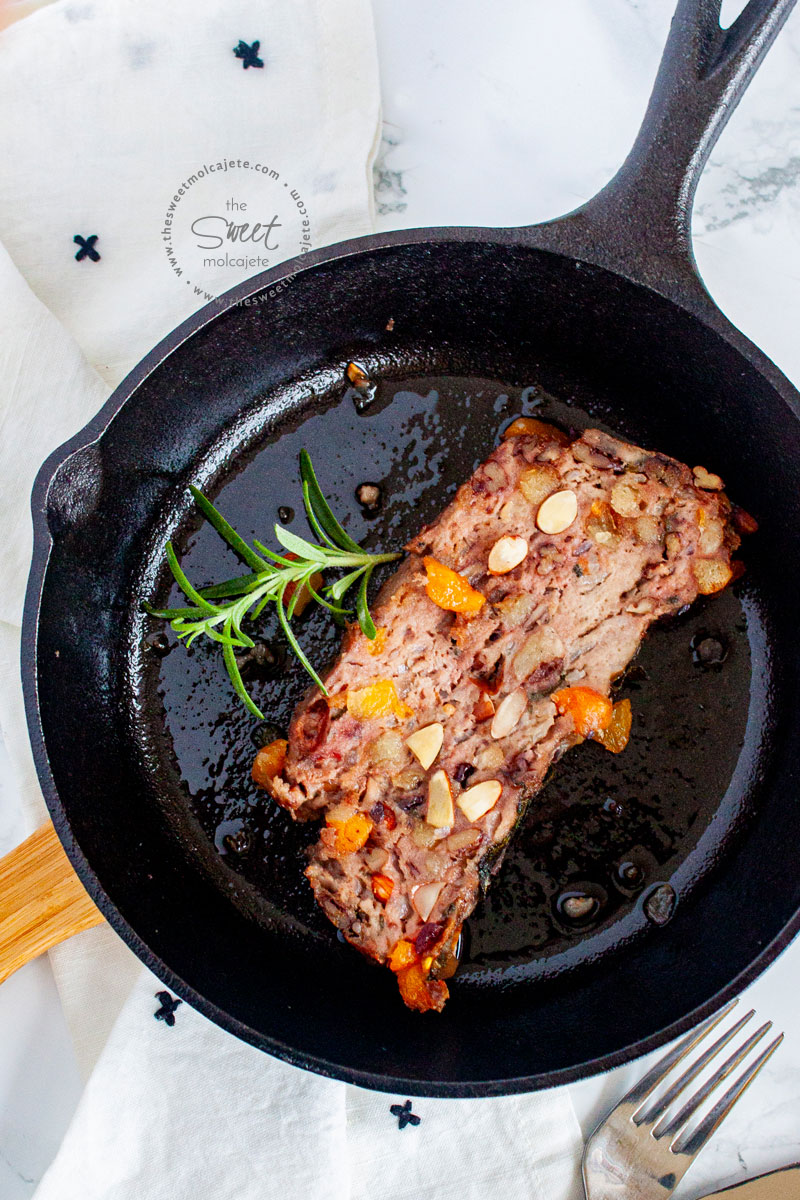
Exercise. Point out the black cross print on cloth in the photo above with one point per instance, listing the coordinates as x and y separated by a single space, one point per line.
87 249
168 1006
248 54
404 1115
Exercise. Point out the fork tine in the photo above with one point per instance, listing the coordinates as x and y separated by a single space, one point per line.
676 1124
656 1074
675 1089
692 1144
653 1114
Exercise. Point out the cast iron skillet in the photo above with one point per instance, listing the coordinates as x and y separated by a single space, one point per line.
139 757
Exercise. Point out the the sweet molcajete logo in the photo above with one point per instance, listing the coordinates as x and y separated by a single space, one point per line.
229 220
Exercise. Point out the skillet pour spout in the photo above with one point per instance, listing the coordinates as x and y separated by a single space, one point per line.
602 308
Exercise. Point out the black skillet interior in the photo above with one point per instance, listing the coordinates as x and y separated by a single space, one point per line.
149 756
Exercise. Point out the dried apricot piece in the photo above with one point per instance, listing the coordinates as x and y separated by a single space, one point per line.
378 644
378 699
269 762
590 711
351 834
419 992
451 591
382 887
403 955
616 734
530 427
601 524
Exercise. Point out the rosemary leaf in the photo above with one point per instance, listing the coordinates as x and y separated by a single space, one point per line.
342 612
337 590
172 614
238 682
296 647
364 619
312 517
218 611
226 531
232 587
183 583
321 509
276 558
300 547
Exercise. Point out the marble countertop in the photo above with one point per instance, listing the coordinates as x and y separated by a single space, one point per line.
511 115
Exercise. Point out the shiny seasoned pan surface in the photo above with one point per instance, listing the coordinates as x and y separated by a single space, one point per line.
611 830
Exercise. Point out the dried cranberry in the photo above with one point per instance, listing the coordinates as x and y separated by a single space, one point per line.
409 801
428 936
312 726
546 675
380 813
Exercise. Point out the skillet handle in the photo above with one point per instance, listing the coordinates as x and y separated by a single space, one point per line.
42 900
640 223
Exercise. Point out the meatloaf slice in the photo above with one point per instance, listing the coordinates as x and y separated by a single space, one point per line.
435 736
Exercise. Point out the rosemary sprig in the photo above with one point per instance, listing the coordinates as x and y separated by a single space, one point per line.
217 612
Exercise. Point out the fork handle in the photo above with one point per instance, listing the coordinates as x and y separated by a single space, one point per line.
42 900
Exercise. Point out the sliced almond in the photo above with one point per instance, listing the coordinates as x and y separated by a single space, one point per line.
706 480
426 743
508 713
462 840
424 898
440 801
477 801
506 554
557 512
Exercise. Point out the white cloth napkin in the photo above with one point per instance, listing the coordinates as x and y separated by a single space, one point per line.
106 110
189 1111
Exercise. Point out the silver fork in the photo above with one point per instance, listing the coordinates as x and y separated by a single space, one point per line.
641 1151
